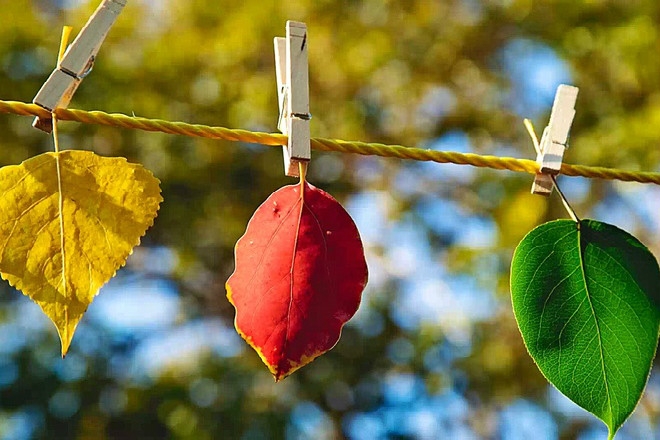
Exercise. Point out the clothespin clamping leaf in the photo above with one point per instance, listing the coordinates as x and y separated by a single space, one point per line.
77 62
300 267
291 68
586 295
550 152
69 219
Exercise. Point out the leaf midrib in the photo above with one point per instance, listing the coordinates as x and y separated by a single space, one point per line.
60 209
593 313
300 201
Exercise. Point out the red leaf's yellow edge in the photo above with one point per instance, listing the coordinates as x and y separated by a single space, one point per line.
300 272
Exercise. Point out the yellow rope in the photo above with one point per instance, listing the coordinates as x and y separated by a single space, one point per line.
374 149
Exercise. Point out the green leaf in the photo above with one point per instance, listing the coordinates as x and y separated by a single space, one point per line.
586 297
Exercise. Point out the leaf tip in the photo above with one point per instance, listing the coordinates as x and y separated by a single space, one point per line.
65 329
66 343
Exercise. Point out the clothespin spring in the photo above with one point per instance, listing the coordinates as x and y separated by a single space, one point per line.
283 104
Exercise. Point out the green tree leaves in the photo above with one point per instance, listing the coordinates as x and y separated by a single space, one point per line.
585 296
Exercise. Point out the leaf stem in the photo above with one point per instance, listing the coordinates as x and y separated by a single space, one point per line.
302 170
564 200
60 205
64 41
56 140
530 129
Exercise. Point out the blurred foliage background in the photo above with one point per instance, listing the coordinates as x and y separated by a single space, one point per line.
434 351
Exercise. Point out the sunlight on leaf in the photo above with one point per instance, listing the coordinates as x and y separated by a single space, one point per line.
586 297
300 272
61 261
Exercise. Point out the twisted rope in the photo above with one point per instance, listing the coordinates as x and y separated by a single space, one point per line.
367 149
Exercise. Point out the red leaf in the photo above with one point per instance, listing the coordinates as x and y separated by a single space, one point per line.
300 272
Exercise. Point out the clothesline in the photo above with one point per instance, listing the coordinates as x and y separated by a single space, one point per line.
364 148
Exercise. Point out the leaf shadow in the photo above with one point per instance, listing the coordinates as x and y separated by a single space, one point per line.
637 257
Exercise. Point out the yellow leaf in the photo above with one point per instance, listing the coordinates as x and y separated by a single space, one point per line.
68 221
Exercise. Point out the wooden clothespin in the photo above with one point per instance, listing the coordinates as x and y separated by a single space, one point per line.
550 151
77 62
293 93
